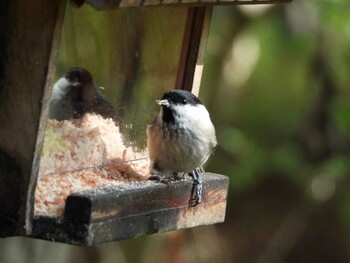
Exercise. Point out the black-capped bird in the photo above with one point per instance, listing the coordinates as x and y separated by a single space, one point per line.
180 139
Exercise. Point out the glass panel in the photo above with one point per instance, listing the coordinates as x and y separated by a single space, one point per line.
133 57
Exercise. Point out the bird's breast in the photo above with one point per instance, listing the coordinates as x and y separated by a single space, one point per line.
176 149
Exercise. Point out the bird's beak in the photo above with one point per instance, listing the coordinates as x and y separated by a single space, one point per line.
75 84
163 103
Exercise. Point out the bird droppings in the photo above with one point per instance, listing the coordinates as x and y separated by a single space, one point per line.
82 155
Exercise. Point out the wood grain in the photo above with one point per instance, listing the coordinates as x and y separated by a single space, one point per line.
115 213
26 32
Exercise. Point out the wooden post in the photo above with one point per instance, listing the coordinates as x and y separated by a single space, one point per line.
193 45
26 37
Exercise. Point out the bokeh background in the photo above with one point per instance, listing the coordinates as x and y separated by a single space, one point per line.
276 84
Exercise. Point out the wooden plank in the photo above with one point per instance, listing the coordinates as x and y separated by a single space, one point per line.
114 229
156 222
93 217
190 47
96 205
107 4
199 64
50 77
26 34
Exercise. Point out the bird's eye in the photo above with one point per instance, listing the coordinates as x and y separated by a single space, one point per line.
184 101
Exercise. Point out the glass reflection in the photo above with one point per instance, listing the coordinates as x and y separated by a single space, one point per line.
75 94
111 68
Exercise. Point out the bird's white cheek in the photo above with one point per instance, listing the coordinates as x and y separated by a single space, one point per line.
193 117
60 89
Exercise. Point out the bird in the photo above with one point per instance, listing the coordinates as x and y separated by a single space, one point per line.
75 94
180 139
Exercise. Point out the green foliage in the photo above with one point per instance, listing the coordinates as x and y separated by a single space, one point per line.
260 122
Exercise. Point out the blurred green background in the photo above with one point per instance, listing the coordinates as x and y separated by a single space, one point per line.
276 84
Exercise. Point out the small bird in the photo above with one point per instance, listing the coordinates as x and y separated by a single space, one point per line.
75 94
180 139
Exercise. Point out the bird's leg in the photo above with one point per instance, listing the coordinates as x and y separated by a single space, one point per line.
197 186
158 176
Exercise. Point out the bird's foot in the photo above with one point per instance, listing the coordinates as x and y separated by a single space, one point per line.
197 187
161 179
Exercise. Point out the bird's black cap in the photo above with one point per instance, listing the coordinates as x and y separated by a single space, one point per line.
181 97
79 76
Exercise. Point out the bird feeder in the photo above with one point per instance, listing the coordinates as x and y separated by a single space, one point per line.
141 53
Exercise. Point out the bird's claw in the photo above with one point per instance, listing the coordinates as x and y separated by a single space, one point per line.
196 195
161 179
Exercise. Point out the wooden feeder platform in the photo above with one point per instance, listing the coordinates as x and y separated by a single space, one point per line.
121 212
29 47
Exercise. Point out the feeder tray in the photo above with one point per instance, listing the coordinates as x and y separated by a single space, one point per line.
121 212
